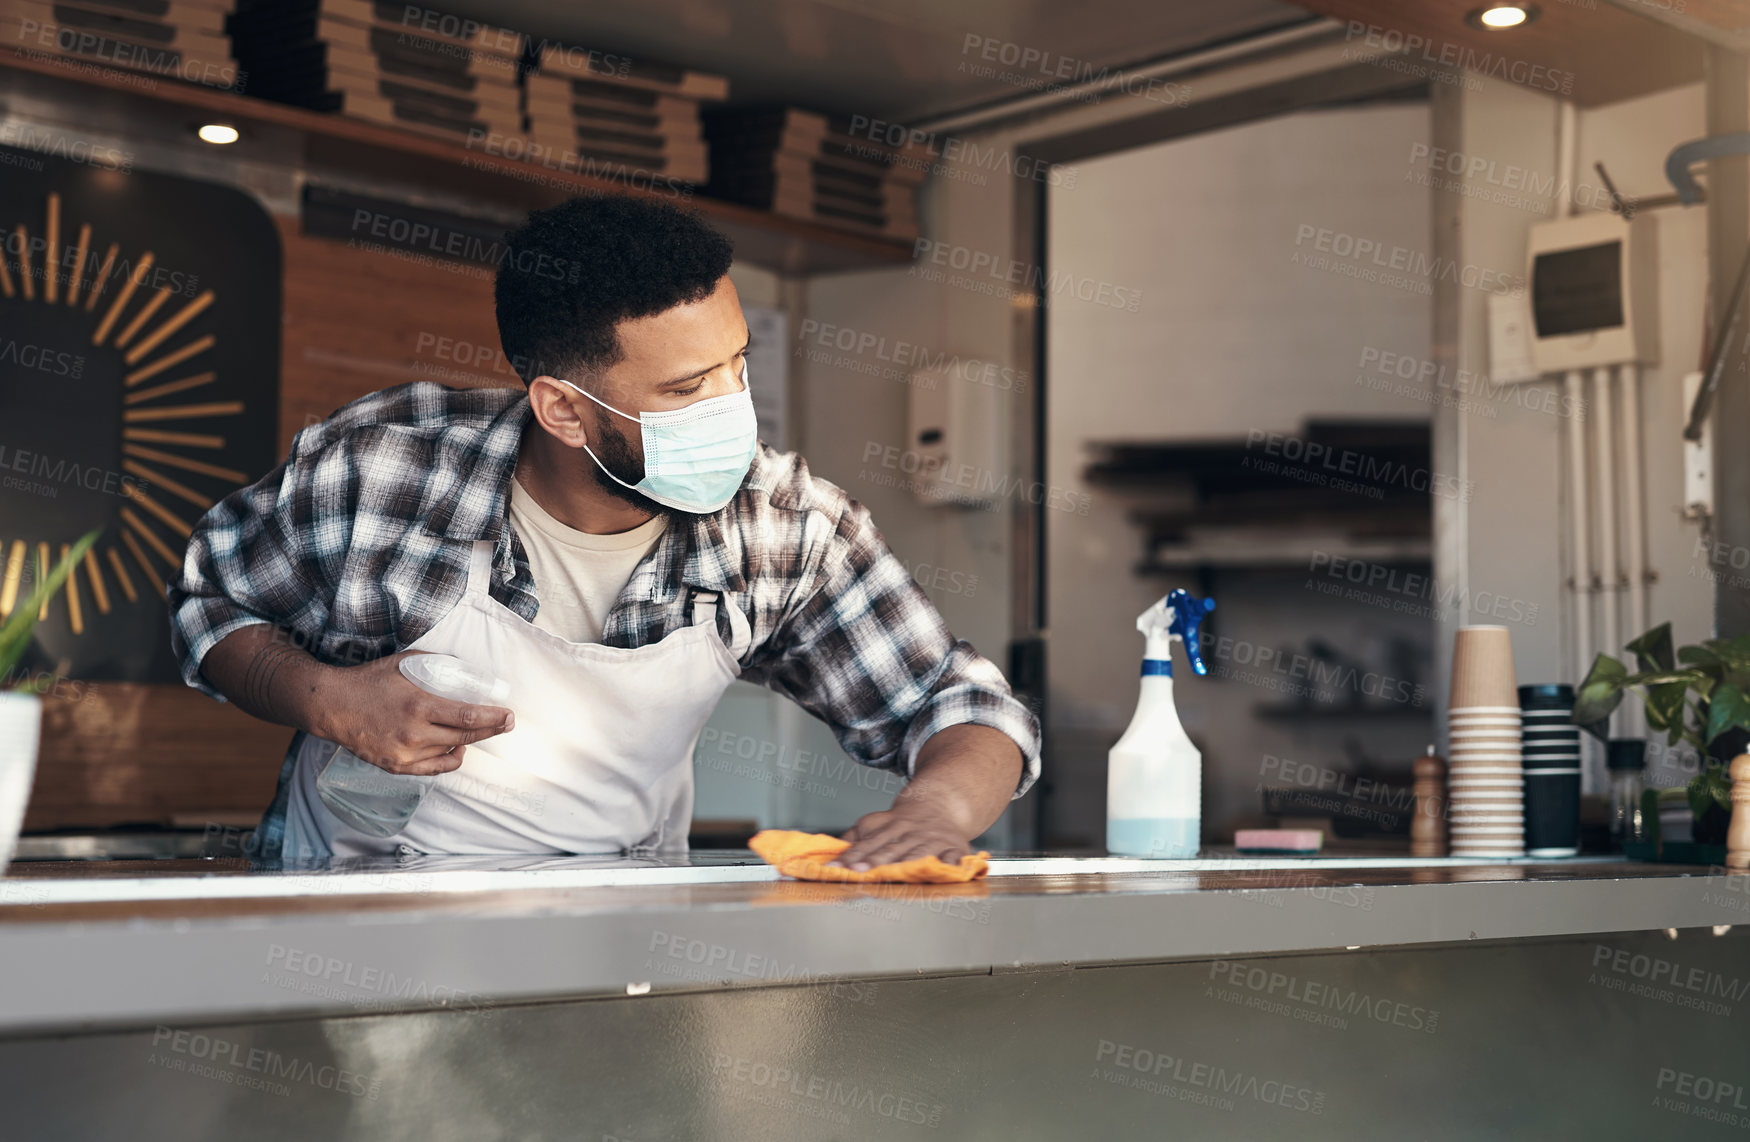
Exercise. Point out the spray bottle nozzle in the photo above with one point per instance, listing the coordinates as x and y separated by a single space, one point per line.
1178 616
1188 616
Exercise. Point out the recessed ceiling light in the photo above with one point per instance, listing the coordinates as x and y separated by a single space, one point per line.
1499 16
217 133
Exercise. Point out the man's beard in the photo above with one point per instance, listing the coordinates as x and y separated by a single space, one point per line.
615 454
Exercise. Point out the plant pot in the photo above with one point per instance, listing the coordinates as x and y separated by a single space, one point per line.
1710 827
21 718
1729 745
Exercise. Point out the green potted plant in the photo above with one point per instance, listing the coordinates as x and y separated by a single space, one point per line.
1700 694
20 703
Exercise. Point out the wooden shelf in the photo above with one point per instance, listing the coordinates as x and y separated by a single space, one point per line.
107 100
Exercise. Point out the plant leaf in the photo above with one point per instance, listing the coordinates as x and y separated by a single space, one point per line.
1599 695
15 633
1727 708
1689 676
1653 649
1698 795
1665 705
1733 650
1689 728
1720 784
1708 788
1701 656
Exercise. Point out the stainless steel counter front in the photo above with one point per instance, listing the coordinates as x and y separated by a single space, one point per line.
117 945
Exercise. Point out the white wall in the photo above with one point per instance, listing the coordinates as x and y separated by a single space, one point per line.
1514 520
1235 334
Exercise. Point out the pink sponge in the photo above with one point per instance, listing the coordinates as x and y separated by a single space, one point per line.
1279 842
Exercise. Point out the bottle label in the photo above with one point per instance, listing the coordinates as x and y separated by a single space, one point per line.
1157 666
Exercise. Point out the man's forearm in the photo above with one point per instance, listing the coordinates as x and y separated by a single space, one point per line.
263 674
968 771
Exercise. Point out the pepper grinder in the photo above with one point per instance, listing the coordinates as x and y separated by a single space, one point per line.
1738 832
1428 826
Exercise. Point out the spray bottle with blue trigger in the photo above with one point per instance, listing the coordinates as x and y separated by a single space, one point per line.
1154 775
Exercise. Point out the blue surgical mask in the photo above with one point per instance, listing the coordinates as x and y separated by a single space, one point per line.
694 457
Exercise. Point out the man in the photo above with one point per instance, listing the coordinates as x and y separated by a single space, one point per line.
615 545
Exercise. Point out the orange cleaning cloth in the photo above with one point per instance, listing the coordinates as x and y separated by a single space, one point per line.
804 856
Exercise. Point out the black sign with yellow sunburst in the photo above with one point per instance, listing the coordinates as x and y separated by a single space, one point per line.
139 385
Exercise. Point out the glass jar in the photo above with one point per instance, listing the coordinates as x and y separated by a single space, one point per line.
1627 761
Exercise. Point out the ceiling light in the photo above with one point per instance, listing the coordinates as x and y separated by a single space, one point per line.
1503 16
217 133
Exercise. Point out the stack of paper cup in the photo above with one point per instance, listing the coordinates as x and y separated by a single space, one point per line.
1485 775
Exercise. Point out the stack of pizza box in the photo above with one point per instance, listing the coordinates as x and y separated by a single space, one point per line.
169 39
617 117
394 63
804 164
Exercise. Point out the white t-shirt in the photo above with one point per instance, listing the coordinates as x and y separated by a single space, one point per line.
577 575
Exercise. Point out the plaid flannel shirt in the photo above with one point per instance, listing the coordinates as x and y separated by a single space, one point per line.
359 542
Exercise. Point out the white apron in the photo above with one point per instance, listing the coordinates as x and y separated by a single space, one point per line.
601 759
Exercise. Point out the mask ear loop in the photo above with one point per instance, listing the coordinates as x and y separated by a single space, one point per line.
605 404
591 451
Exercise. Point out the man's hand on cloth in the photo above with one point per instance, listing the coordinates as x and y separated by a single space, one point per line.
961 782
814 856
963 778
911 830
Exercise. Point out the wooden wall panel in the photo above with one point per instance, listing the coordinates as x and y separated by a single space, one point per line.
117 753
354 321
122 753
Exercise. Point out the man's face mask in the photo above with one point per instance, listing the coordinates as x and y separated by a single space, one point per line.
696 457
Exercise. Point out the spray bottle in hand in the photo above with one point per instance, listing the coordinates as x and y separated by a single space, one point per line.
1154 775
375 801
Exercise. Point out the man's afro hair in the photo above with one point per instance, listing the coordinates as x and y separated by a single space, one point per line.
571 273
